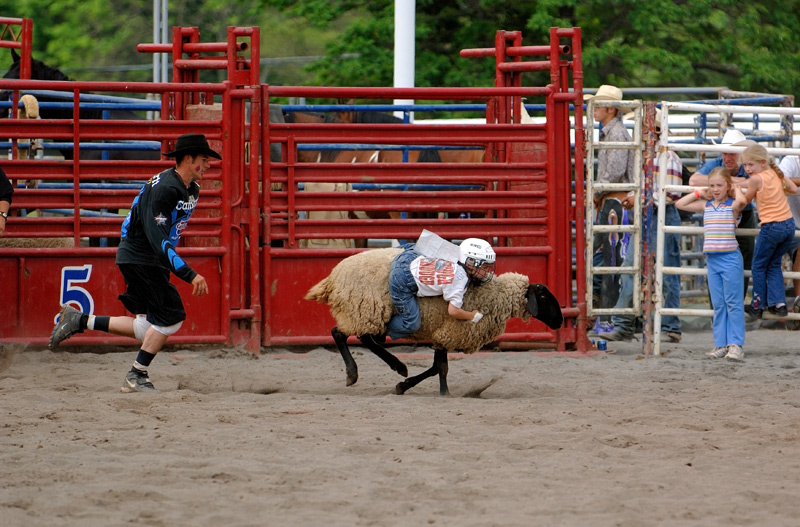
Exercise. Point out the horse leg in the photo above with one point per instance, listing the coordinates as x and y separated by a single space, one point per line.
349 363
371 342
439 367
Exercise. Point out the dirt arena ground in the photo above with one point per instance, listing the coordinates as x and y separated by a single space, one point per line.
614 439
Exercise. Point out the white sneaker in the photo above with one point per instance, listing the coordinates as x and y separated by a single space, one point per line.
717 353
735 352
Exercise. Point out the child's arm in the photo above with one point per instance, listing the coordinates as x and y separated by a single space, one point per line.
739 199
461 314
693 201
754 185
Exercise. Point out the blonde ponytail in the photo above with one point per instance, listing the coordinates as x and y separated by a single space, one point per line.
775 168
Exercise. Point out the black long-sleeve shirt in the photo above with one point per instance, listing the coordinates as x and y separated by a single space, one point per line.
153 227
6 188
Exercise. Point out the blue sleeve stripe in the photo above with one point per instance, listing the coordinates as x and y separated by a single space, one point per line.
175 260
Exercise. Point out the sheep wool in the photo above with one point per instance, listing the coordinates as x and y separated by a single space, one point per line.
357 291
502 298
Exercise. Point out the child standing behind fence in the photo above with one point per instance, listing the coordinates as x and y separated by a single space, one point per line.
721 204
768 186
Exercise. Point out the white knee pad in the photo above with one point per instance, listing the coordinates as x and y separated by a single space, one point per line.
168 330
140 327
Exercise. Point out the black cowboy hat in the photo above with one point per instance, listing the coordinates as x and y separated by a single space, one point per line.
192 144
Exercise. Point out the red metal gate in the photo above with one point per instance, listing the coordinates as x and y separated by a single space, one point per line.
245 237
74 196
525 194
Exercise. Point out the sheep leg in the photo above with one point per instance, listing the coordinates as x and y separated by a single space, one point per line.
371 342
349 363
439 367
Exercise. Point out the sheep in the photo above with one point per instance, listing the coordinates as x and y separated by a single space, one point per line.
357 291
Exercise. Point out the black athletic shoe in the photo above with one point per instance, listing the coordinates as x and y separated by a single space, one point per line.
69 323
780 311
755 314
137 381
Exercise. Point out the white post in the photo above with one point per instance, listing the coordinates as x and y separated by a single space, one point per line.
164 39
404 54
156 40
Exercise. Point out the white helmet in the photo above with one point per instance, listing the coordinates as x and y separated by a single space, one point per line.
478 258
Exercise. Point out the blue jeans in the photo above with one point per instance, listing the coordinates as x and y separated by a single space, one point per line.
403 290
672 282
726 286
772 242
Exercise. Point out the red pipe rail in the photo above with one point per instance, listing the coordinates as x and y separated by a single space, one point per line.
22 41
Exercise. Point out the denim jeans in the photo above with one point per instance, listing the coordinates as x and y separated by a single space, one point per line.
672 282
725 279
747 244
403 290
771 244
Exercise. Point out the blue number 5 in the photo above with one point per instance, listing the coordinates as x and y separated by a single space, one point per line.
73 294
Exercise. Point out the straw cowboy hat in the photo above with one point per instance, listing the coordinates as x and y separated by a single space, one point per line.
733 137
192 144
606 92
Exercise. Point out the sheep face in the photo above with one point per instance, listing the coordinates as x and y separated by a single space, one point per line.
543 305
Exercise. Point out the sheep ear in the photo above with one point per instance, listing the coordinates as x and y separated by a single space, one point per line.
544 306
533 305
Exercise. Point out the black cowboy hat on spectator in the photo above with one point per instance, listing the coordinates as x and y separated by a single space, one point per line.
192 144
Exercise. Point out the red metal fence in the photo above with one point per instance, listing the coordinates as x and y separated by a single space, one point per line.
252 214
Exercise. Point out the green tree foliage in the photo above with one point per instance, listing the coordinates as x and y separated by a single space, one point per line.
442 30
96 39
751 46
73 33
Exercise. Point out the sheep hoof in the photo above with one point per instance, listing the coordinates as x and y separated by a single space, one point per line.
352 380
402 369
401 388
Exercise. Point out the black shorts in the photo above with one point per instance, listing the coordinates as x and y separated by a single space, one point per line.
150 292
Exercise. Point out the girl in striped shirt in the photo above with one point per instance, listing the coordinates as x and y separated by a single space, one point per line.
721 204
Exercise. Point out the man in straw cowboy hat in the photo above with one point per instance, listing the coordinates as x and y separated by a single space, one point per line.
146 256
733 162
625 325
614 165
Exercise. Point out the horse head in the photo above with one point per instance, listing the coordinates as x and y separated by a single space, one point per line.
39 71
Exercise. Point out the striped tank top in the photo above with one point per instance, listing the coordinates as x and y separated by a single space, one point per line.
719 227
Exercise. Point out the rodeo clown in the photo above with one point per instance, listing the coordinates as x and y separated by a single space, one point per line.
146 256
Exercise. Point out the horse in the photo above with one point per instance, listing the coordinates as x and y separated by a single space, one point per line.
380 155
41 71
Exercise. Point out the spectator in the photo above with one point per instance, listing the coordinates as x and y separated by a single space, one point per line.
733 162
624 325
721 202
769 187
6 191
790 166
613 166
